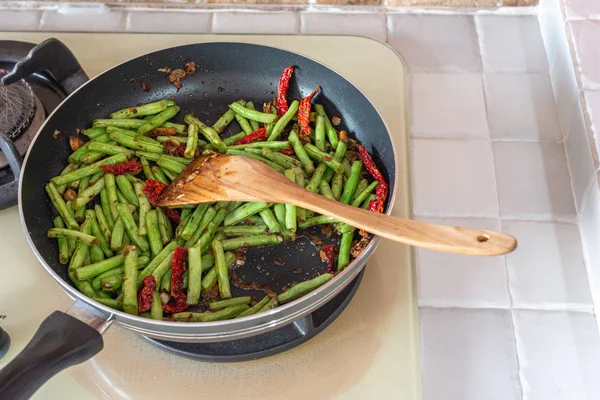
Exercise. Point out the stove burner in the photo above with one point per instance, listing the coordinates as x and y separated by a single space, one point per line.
17 107
270 343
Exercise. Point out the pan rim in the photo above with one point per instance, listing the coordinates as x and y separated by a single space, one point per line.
274 317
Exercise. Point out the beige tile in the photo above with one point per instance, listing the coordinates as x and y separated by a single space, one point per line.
19 20
255 22
367 24
160 21
80 20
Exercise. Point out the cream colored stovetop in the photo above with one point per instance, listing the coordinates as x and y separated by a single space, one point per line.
369 352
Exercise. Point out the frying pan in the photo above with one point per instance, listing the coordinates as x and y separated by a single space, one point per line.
226 72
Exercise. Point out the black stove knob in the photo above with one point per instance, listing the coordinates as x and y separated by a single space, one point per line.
4 342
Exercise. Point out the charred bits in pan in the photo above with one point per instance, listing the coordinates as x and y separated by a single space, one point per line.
175 76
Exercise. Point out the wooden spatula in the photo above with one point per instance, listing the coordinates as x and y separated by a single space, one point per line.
221 177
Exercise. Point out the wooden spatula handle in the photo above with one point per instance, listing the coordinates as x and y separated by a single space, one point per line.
416 233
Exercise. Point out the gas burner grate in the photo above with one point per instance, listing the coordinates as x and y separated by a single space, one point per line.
17 107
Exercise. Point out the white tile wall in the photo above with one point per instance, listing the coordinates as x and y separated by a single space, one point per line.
521 107
448 106
582 9
240 22
559 355
454 280
180 22
96 19
19 20
590 236
592 99
511 44
533 181
468 355
435 42
364 24
453 178
547 270
585 36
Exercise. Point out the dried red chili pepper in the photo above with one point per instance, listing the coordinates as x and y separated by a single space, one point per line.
177 270
173 215
153 190
330 252
304 113
176 304
122 168
181 149
381 191
287 152
259 135
145 293
282 88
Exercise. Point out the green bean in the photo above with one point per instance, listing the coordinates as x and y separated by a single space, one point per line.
117 236
244 124
94 132
359 198
89 240
347 167
179 128
255 308
97 281
89 170
223 121
87 195
340 150
227 313
303 288
324 157
137 111
92 270
192 142
209 280
320 133
253 114
270 220
64 253
69 168
111 192
152 229
111 149
119 123
130 227
256 157
102 222
278 158
337 184
234 301
75 156
159 175
60 206
91 157
97 232
273 302
290 209
82 249
164 226
112 303
206 219
315 180
134 143
319 220
284 120
111 283
351 183
160 270
362 185
244 212
156 311
195 274
170 165
345 246
281 145
158 120
234 138
127 190
209 133
221 268
326 190
366 203
130 304
145 207
146 168
132 136
243 230
251 241
164 254
207 236
280 214
301 152
165 282
178 139
169 174
84 183
194 222
331 133
123 200
253 124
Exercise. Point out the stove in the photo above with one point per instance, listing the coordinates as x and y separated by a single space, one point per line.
23 107
352 349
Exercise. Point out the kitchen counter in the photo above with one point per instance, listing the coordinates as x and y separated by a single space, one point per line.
499 141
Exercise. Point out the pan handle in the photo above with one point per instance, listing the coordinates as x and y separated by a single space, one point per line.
62 340
8 191
53 57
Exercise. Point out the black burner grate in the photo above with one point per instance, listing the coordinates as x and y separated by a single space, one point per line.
17 107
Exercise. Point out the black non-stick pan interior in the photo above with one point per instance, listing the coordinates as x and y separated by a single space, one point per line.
226 72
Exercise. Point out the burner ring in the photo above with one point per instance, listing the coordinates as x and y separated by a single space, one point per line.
17 107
